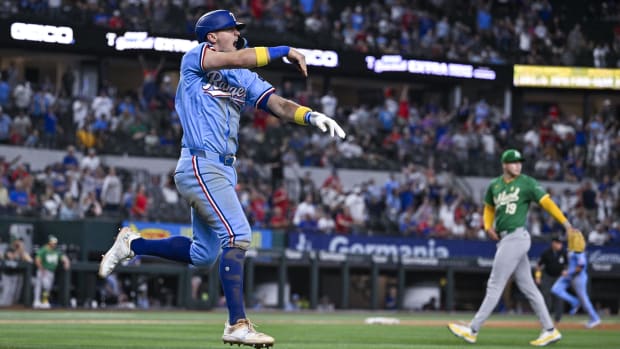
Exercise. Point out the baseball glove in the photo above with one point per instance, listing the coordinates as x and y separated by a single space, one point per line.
576 242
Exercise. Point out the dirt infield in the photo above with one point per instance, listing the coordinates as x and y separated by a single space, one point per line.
420 323
515 324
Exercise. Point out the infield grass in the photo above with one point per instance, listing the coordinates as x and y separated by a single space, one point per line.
190 329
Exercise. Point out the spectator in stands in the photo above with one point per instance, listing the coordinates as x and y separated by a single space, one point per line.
86 138
306 209
21 125
588 200
150 75
325 222
70 159
308 224
170 194
21 197
257 209
278 220
92 161
5 201
5 126
80 112
69 209
329 103
50 202
51 129
102 105
598 236
23 96
357 207
111 192
5 92
90 205
344 221
139 208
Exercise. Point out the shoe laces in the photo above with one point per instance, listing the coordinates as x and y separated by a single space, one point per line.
251 326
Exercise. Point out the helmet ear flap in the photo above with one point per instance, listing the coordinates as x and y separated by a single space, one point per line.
241 43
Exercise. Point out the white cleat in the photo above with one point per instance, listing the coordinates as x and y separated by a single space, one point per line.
243 333
119 252
593 323
546 338
463 332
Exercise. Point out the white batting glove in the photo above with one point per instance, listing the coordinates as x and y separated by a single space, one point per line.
323 122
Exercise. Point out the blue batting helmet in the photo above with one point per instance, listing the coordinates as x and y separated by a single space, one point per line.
214 21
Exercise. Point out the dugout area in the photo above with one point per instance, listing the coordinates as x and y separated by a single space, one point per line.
292 280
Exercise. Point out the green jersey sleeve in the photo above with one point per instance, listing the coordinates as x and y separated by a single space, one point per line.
489 195
536 191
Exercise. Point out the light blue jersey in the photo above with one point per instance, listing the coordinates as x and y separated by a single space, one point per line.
579 281
209 103
577 259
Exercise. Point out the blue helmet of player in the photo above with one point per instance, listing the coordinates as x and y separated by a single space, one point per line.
214 21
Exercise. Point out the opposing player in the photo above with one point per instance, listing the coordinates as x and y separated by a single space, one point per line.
46 261
577 275
214 87
506 203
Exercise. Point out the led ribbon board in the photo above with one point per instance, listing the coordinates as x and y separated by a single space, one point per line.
566 77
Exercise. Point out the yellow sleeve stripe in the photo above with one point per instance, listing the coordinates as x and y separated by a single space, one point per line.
552 208
300 115
262 56
488 216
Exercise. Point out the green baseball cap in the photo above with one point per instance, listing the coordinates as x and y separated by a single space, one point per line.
512 155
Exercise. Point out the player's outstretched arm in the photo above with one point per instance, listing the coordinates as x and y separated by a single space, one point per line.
252 57
291 111
549 205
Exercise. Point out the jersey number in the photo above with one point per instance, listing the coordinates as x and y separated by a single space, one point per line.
511 208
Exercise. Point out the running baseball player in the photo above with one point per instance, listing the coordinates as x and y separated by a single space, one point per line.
506 203
47 260
577 276
214 87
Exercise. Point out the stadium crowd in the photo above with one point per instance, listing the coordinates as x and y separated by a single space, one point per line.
418 140
489 31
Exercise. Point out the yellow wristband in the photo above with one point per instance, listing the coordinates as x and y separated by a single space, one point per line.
300 115
538 274
262 57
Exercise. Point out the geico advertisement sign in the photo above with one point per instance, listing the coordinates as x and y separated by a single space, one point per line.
42 33
318 58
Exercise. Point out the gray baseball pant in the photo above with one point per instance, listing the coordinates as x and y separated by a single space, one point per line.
45 280
511 257
11 289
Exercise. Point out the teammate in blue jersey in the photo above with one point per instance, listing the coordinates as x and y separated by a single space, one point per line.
215 85
577 276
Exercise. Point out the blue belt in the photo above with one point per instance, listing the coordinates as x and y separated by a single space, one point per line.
226 159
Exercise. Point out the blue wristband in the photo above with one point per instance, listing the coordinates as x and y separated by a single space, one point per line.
278 52
307 118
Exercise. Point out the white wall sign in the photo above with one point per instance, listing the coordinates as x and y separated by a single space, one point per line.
42 33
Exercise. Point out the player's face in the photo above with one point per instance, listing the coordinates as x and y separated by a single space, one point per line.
226 39
513 169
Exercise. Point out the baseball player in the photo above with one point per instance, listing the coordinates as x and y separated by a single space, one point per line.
214 87
506 203
47 260
577 276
